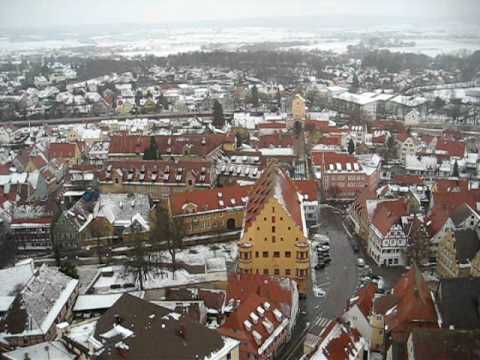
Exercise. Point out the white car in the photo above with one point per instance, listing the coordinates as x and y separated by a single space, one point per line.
319 292
321 239
360 262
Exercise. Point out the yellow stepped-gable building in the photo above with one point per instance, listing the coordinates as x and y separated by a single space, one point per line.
274 236
299 110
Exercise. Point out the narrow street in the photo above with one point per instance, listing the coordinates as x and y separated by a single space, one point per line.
338 279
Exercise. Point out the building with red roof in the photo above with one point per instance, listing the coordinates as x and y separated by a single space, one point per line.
339 341
387 243
409 305
259 325
66 152
193 145
359 308
342 176
157 178
308 189
274 234
454 149
215 210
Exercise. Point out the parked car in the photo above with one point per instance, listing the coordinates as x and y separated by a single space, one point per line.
319 266
360 262
321 239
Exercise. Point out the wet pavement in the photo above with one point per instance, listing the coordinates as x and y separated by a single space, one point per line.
340 279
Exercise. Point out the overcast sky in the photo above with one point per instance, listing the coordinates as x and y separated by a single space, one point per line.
47 13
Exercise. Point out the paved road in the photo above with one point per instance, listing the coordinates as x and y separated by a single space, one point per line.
339 280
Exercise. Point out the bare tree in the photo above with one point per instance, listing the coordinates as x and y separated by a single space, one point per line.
141 262
169 232
418 249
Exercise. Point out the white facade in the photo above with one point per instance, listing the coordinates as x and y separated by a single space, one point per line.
388 250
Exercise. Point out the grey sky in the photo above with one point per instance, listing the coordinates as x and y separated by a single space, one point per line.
26 13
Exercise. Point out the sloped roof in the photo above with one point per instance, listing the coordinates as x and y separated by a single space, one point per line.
210 199
444 204
241 286
152 332
274 182
364 298
414 306
462 213
452 148
195 144
408 180
450 185
235 327
388 213
61 150
308 189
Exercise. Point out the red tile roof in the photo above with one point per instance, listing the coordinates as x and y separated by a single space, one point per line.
234 325
210 199
415 307
39 162
330 140
444 205
325 158
448 185
158 171
321 125
403 136
452 148
276 140
408 180
61 150
5 169
274 182
364 298
379 140
241 285
308 188
388 213
340 342
200 145
272 125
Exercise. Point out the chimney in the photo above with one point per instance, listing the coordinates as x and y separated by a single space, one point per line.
118 319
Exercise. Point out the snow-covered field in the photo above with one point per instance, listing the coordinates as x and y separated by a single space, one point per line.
165 41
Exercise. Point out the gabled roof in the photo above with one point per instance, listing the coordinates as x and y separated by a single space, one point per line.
210 199
137 329
339 343
414 306
408 180
444 204
276 140
240 286
61 150
462 213
451 185
195 144
452 148
262 325
274 182
308 189
364 298
38 305
388 213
